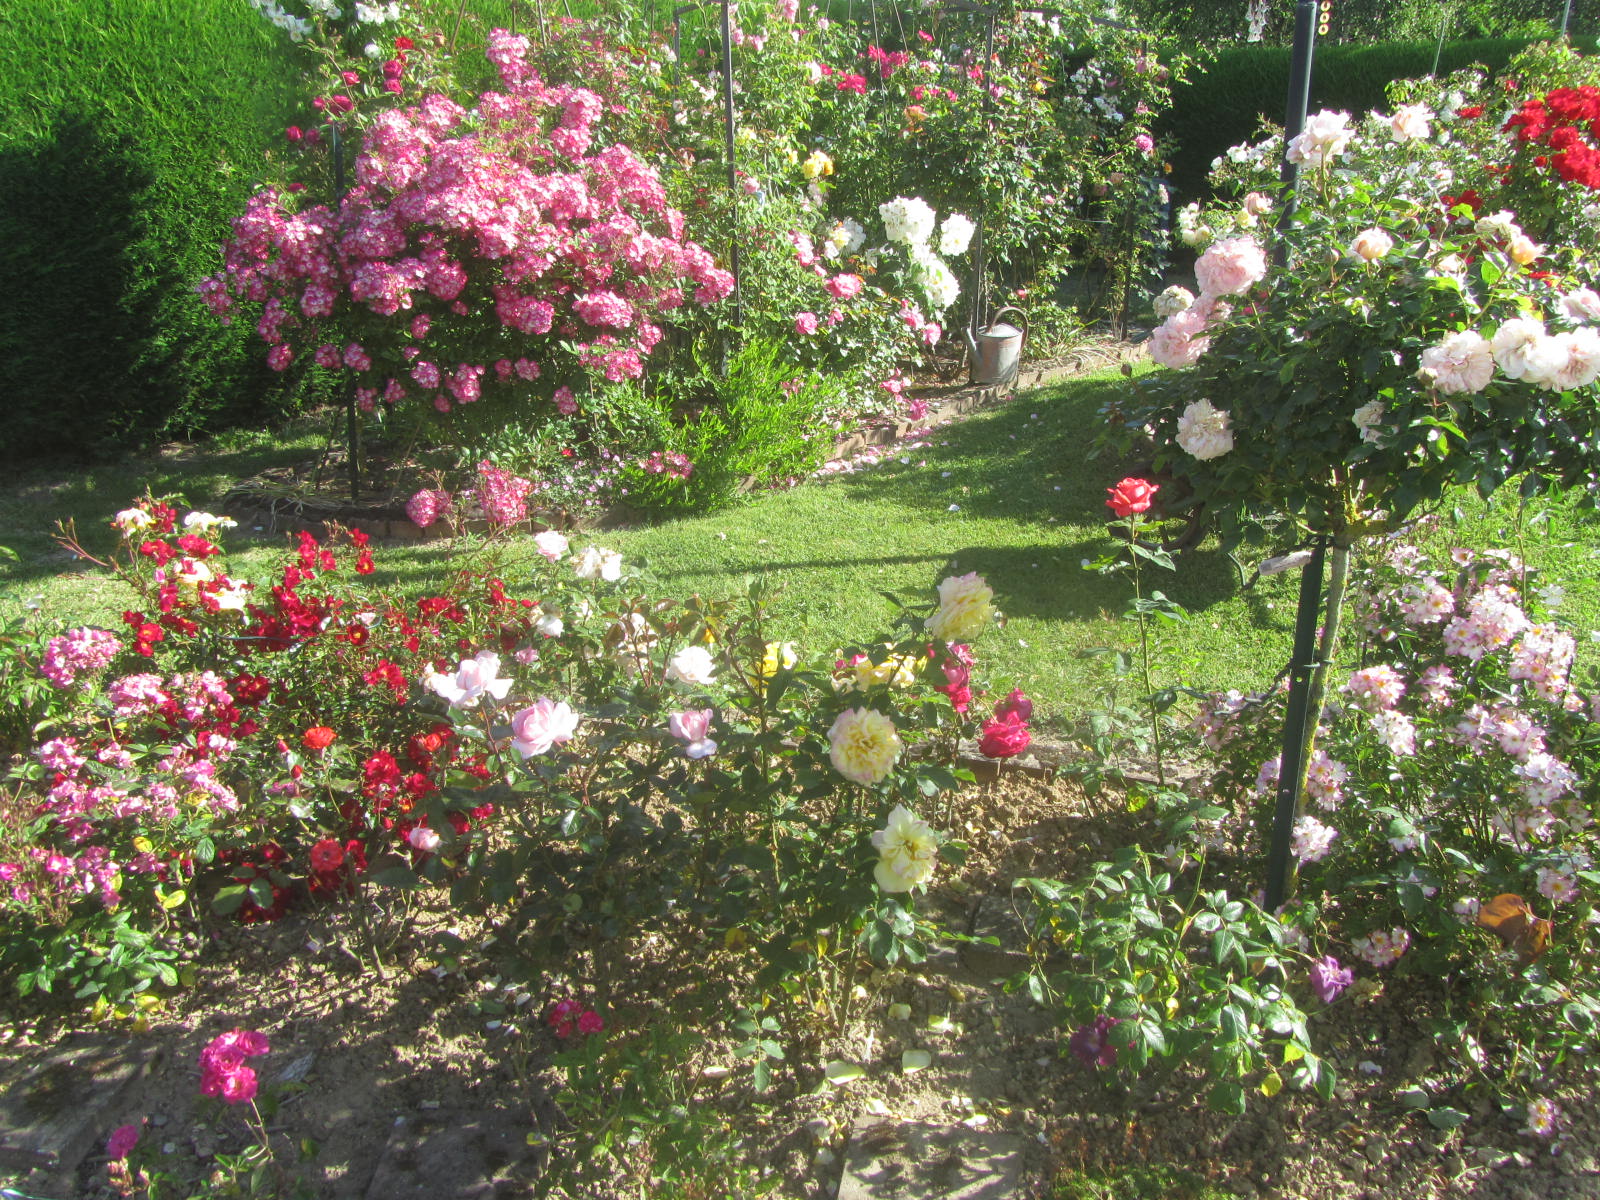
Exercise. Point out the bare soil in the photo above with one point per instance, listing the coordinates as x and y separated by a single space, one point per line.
431 1034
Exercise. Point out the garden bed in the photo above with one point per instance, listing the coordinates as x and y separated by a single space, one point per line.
438 1037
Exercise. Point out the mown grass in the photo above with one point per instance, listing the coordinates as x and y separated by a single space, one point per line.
1011 493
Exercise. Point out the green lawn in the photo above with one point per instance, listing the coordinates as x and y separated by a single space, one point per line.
1011 493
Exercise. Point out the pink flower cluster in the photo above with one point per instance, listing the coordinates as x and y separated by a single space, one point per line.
570 1016
78 652
503 221
669 463
1228 268
502 495
223 1070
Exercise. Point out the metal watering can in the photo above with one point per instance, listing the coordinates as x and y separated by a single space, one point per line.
996 352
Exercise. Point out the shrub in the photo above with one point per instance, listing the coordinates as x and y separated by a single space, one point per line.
116 173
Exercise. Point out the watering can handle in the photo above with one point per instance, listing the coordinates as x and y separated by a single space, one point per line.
994 319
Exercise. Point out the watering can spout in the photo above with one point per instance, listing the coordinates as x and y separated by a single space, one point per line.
972 343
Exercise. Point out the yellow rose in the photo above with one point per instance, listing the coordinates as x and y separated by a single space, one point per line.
907 851
777 656
965 607
817 165
864 745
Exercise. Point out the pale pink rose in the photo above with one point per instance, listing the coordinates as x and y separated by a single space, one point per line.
424 839
551 544
805 323
1565 360
1410 123
543 724
691 727
1324 137
1257 204
1177 341
1512 343
474 678
1581 305
1371 245
1463 362
1230 266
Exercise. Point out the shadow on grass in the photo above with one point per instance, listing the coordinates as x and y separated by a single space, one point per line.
33 499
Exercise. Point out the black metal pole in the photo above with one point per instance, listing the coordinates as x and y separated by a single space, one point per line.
733 171
352 427
1297 722
1294 120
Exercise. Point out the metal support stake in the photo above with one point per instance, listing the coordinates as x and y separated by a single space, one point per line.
733 172
352 427
1297 724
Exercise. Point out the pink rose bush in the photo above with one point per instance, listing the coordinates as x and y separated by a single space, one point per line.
1464 740
462 234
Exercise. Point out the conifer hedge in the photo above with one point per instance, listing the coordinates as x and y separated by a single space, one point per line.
133 133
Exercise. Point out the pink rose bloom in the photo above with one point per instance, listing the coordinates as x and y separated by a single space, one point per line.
122 1141
805 323
565 404
543 724
1017 702
842 287
1230 266
1144 144
691 727
280 356
1177 341
931 333
1004 737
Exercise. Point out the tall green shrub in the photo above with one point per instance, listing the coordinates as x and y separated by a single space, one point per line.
133 133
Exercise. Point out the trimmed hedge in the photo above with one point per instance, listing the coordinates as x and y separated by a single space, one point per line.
133 133
1223 107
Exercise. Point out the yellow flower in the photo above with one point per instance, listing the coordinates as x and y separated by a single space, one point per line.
819 164
864 745
898 670
907 851
777 656
965 607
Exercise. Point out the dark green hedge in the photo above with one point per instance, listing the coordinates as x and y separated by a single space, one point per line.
133 133
1223 107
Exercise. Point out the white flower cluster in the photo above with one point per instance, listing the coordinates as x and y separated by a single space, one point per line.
294 26
324 8
846 237
1203 431
1173 301
955 235
907 220
377 14
935 278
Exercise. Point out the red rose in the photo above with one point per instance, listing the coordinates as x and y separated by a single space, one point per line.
1004 737
327 855
1131 496
318 737
403 43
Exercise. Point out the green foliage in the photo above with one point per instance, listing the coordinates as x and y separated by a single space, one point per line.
761 422
133 134
1185 973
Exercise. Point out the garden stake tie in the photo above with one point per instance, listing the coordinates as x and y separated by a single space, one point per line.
1296 725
